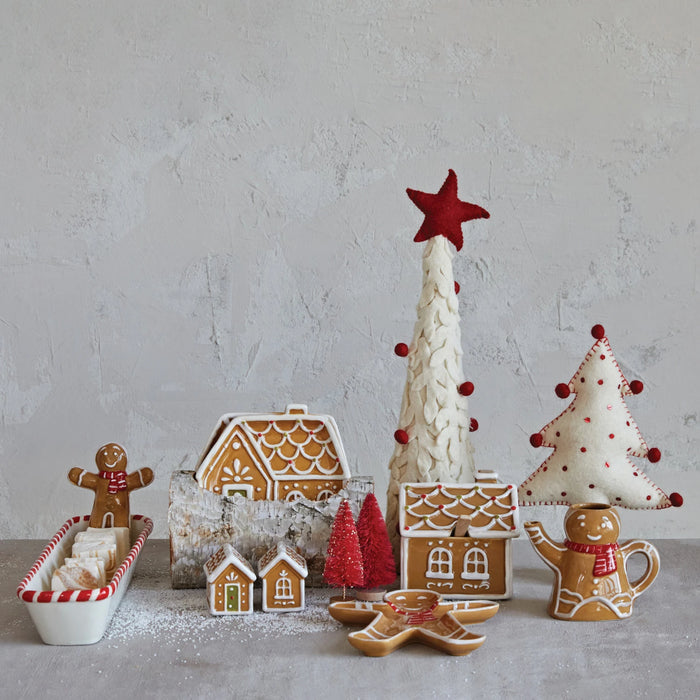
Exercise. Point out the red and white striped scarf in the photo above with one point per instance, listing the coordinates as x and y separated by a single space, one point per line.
117 481
415 617
604 555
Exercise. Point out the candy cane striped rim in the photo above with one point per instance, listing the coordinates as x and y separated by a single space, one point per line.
80 596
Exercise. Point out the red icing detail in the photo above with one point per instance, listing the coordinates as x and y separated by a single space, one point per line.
401 436
513 507
456 287
401 349
654 454
439 486
676 500
423 495
598 331
536 440
466 389
562 390
440 507
510 486
473 425
444 212
636 387
406 527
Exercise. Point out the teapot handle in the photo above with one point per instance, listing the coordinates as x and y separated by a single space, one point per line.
652 556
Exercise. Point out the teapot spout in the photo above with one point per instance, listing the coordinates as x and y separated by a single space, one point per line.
549 550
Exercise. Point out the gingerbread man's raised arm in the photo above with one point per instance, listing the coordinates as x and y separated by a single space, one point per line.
84 478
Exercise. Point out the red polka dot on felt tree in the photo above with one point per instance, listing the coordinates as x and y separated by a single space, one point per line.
401 349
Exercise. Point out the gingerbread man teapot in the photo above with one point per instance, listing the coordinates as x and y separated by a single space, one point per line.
111 485
591 581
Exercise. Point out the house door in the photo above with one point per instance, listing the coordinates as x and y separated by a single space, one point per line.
232 590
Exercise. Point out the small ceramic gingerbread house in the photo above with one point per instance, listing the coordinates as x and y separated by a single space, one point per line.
274 456
476 565
229 582
283 572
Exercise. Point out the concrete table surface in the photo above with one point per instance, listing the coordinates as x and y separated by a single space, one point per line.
163 643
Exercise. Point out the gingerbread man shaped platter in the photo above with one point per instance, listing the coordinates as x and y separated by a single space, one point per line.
111 485
413 616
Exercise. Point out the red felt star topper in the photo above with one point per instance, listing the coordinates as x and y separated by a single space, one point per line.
445 212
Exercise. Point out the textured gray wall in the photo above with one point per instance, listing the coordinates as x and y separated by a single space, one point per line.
203 210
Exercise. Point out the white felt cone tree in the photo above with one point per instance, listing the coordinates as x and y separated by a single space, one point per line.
433 436
593 440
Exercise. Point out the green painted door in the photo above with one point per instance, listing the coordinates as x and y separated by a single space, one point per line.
231 597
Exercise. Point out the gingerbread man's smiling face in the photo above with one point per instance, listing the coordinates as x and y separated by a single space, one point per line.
596 524
111 458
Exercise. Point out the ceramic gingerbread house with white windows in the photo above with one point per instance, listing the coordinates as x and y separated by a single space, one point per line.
283 572
436 554
274 456
230 581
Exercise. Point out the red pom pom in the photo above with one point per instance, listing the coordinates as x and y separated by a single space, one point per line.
401 436
636 387
598 331
676 500
456 287
536 440
466 389
401 349
654 454
562 391
473 425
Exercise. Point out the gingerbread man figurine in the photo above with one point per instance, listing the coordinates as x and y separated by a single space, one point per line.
111 486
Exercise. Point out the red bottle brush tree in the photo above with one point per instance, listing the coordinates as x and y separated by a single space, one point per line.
344 558
377 555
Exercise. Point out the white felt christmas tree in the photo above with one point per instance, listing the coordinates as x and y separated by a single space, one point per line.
432 442
593 440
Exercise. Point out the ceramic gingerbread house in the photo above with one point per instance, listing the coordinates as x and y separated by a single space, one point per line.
274 456
476 564
229 582
282 571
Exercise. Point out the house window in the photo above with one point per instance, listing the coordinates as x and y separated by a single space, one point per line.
293 496
439 563
476 565
283 587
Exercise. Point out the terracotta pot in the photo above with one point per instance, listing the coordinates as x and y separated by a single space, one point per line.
591 581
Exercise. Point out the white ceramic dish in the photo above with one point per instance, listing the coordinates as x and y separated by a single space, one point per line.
82 616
